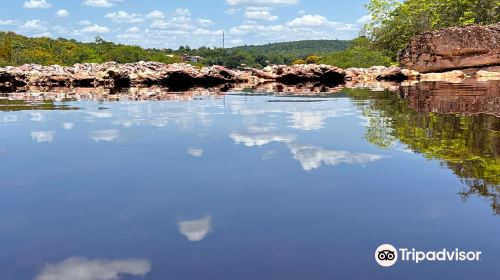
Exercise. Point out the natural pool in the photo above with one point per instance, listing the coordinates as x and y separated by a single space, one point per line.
249 184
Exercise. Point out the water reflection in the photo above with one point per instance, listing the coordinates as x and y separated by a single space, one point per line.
76 268
42 136
196 230
312 157
457 124
195 152
104 135
258 138
320 165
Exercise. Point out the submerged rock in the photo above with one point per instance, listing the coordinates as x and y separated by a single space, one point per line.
453 49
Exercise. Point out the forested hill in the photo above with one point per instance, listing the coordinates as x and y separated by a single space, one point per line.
300 48
16 49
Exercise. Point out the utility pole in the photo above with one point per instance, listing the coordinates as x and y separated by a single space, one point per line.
223 40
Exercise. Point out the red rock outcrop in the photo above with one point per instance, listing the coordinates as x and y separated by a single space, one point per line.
471 46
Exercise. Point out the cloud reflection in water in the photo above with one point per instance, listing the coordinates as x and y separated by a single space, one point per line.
196 230
76 268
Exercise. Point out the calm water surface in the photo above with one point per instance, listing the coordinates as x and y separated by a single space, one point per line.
250 186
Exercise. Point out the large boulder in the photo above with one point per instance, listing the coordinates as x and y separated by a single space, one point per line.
471 46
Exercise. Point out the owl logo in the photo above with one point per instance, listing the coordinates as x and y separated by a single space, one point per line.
386 255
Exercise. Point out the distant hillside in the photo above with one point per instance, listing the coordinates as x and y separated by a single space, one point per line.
276 53
16 49
301 49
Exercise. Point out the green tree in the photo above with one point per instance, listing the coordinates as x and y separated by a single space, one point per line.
362 53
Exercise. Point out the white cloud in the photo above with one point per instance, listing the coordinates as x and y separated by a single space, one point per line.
312 157
364 19
156 15
6 22
233 11
42 136
133 30
44 34
195 152
84 269
34 24
306 27
37 4
62 13
266 3
84 22
124 17
182 12
196 230
99 3
308 20
94 28
263 13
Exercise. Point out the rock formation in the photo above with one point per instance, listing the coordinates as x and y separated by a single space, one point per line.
454 48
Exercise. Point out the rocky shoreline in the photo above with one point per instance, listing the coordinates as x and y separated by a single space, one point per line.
185 76
451 54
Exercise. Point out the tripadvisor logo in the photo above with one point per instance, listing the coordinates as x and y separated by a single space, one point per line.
387 255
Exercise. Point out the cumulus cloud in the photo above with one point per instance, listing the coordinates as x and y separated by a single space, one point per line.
37 4
364 19
124 17
94 28
266 3
308 20
156 15
196 230
6 22
99 3
34 25
84 269
312 157
262 13
62 13
302 28
133 30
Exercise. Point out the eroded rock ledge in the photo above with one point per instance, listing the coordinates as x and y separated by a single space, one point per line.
453 48
182 76
178 77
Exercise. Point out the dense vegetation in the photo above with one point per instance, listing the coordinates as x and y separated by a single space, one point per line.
276 53
362 53
17 50
394 22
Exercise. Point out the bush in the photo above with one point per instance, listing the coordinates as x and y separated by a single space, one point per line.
361 54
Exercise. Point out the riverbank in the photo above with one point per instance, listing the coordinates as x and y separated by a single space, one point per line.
185 76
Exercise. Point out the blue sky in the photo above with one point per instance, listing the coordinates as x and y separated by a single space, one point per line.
171 23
